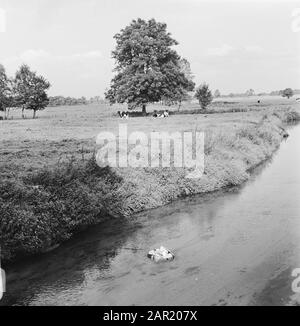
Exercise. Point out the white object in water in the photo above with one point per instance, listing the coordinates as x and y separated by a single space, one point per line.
161 254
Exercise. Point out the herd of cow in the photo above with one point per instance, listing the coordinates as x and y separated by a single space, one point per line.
156 114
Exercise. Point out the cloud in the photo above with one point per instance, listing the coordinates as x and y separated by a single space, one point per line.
89 55
221 51
30 55
34 56
227 49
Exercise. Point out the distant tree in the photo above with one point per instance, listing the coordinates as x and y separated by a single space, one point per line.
38 99
148 68
3 88
30 90
275 93
288 92
97 100
217 93
23 87
6 99
249 92
204 95
69 101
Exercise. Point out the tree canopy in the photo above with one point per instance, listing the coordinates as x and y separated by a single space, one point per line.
204 95
6 97
3 88
288 92
147 67
27 90
30 90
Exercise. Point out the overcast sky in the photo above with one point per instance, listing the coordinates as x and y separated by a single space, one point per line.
233 46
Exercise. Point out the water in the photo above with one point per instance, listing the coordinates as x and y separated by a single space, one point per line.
231 248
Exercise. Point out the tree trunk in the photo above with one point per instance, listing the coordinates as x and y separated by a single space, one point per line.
144 109
34 114
23 116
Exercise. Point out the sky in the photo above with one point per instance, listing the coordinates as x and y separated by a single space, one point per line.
233 46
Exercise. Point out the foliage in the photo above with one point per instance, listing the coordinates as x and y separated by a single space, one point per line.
48 207
181 94
288 92
30 90
66 101
27 91
203 95
148 69
250 92
6 98
70 101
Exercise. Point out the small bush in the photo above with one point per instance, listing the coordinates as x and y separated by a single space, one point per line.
204 95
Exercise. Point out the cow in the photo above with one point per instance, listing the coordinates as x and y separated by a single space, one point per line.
123 114
165 114
155 115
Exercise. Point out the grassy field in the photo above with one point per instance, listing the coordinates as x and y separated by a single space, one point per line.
51 187
62 132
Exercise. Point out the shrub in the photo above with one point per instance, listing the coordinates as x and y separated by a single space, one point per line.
204 95
48 207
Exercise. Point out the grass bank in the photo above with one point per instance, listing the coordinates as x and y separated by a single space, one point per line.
45 207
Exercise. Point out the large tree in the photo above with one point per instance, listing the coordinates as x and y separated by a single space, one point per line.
147 67
5 92
30 90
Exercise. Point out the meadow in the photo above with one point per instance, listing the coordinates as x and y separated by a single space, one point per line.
51 186
63 132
